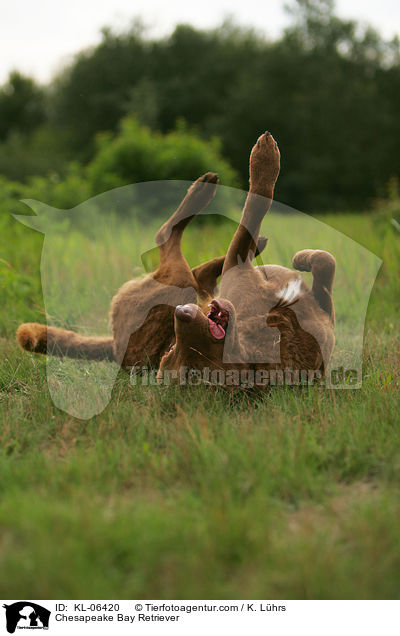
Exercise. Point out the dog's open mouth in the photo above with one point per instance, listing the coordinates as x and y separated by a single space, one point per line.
218 318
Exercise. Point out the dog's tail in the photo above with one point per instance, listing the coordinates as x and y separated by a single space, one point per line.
59 342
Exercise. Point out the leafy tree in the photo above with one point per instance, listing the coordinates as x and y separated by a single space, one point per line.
94 93
22 106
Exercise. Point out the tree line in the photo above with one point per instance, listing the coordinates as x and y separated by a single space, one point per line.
328 89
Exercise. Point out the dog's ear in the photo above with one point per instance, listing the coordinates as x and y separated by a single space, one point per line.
206 276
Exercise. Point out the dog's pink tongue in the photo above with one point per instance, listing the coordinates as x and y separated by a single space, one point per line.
216 330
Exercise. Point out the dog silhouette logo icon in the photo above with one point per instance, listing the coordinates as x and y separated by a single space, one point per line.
26 615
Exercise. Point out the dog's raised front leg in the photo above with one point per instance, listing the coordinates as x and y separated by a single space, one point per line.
199 195
322 265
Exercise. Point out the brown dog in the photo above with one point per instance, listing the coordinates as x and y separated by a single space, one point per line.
266 318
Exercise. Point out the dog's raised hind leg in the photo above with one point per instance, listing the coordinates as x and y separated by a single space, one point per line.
264 171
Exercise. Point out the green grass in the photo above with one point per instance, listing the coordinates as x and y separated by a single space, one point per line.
195 492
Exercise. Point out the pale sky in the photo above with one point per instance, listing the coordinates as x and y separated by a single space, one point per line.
38 37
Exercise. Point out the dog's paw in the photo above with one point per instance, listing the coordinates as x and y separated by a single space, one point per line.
208 177
264 164
313 260
302 260
204 188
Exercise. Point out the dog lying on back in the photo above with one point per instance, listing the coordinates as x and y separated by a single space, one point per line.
263 317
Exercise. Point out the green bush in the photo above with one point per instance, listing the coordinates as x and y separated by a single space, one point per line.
137 154
60 193
44 150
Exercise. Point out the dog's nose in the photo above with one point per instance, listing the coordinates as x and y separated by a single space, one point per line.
185 312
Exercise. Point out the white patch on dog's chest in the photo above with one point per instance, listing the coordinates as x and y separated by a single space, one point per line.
291 291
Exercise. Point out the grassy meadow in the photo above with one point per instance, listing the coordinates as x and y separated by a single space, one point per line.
194 492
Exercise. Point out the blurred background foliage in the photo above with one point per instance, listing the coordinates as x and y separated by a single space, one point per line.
137 109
